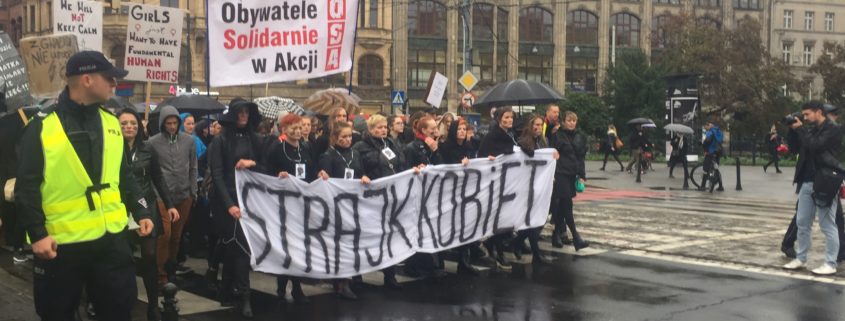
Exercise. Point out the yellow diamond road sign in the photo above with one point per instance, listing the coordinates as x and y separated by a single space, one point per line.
468 80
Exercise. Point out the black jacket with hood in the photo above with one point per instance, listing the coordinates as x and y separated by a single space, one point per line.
452 151
376 165
232 145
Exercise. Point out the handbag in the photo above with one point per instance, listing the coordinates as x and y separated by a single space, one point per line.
618 143
579 186
782 149
827 185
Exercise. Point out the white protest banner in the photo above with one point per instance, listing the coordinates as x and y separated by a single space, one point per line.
341 228
13 79
81 18
264 41
46 60
153 40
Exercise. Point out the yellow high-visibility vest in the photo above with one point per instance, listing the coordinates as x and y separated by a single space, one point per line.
76 209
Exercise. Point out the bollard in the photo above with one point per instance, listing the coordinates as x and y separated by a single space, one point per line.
738 177
170 311
686 174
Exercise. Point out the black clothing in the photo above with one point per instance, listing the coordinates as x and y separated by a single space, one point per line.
225 151
572 147
283 157
84 130
337 159
680 149
375 163
144 164
417 152
104 266
818 146
638 140
497 142
772 143
454 152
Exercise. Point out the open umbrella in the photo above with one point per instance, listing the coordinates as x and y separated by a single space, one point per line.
197 105
518 92
271 107
640 121
323 101
678 128
118 103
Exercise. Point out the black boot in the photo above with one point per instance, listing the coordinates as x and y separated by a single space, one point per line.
391 283
556 242
539 259
211 279
245 305
342 289
517 248
464 266
296 292
578 242
153 313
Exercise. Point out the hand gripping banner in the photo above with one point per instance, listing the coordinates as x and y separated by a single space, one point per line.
342 228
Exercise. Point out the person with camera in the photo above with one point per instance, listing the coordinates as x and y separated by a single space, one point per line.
816 177
712 154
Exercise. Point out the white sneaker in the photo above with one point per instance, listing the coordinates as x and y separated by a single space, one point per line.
824 269
794 265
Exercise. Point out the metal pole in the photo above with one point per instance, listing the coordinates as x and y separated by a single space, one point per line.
190 66
639 167
170 311
686 174
738 176
613 46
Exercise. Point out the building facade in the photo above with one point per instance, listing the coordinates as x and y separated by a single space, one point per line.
11 19
800 28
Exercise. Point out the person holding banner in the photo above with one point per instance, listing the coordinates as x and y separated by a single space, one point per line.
500 141
572 148
532 138
238 147
322 143
341 161
381 158
144 163
290 156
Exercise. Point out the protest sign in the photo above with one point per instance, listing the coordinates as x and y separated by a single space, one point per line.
45 58
266 41
15 86
81 18
153 42
341 228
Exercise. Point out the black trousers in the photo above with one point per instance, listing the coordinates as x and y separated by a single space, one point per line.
562 194
14 234
104 266
773 159
615 154
791 234
235 252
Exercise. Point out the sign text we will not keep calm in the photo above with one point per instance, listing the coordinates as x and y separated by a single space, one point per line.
266 41
81 18
341 228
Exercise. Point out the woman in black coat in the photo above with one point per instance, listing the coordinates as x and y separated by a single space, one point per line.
290 157
572 148
238 147
381 158
773 140
680 149
610 147
499 141
341 161
143 162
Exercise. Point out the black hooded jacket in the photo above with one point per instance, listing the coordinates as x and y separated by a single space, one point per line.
452 151
376 165
336 160
232 145
572 147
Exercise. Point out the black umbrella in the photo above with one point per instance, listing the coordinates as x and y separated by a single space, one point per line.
197 105
640 121
118 103
518 93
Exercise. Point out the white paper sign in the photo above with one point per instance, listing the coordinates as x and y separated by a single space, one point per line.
263 41
437 90
341 228
153 43
81 18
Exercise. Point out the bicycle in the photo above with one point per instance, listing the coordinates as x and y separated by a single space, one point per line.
715 177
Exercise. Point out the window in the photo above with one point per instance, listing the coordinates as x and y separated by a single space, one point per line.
362 15
373 13
707 21
170 3
502 25
707 3
808 20
49 15
426 19
32 18
422 63
118 53
581 73
483 34
535 67
627 30
582 27
658 31
502 56
828 21
335 79
746 4
535 24
370 71
787 53
666 1
482 21
808 54
787 19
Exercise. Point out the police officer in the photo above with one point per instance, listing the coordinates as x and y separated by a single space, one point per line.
74 191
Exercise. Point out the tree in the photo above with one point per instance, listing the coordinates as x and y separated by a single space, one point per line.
635 89
832 72
593 114
741 81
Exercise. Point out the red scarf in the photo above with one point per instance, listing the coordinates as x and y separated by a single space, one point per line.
420 136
